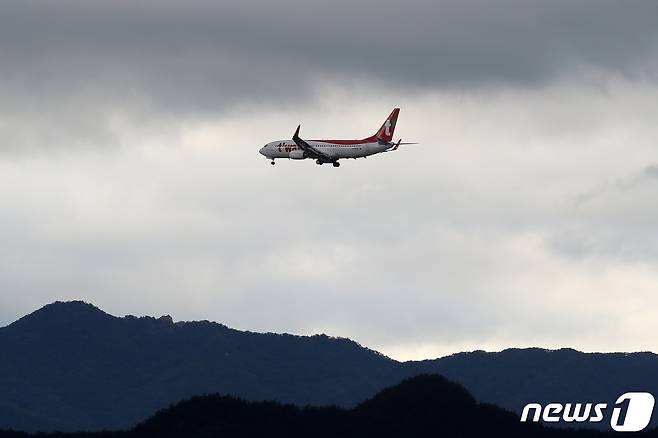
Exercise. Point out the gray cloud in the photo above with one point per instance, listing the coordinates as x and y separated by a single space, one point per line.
209 54
646 175
145 192
651 171
465 241
75 66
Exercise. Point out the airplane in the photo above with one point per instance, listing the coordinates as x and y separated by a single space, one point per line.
330 151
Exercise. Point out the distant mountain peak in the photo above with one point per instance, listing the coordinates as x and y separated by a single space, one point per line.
166 319
62 312
76 306
70 305
421 390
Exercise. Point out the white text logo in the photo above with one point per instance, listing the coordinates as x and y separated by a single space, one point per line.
631 413
388 127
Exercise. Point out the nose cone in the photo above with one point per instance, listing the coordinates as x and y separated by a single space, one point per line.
262 150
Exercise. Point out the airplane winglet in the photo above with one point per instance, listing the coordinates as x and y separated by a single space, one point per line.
296 134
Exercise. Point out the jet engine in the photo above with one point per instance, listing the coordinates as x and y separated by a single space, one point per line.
297 154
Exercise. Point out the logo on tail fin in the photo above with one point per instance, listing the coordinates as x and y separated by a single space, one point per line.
388 128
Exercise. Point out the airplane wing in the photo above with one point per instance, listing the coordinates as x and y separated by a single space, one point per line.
310 150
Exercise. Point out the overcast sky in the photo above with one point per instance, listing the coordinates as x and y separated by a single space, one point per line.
528 215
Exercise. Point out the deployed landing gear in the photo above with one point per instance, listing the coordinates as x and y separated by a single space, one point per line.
336 164
318 162
272 163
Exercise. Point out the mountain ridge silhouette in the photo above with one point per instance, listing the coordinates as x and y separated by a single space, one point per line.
70 366
421 406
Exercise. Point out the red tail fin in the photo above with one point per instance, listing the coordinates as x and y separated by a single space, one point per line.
386 131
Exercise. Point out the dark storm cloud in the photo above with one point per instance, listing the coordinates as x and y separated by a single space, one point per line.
211 54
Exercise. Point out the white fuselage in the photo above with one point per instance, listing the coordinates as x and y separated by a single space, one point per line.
336 149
